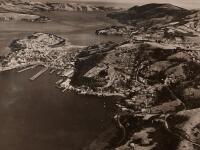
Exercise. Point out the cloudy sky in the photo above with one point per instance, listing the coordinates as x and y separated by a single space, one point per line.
182 3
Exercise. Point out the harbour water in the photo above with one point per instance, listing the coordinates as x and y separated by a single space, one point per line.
37 115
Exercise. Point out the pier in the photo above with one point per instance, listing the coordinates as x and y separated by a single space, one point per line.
28 68
59 81
64 90
59 72
39 74
52 71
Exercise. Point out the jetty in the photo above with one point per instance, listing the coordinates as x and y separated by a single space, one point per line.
64 90
59 81
52 71
28 68
39 74
59 72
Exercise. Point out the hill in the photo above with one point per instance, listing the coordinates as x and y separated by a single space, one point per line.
151 15
30 6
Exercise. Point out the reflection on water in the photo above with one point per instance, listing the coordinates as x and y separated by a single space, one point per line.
79 27
37 116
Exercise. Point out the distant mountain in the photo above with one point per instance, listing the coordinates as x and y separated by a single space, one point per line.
78 7
151 15
29 6
11 16
23 6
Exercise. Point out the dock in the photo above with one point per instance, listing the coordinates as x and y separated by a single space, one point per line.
59 72
52 71
59 81
39 74
64 90
28 68
57 86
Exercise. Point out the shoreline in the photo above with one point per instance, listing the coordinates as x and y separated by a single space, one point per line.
70 88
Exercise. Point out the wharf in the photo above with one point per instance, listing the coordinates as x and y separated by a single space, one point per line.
59 72
64 90
28 68
39 74
52 71
59 81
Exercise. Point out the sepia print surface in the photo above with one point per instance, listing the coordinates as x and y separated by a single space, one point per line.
99 75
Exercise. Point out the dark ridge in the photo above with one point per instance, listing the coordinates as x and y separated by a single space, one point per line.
151 15
155 5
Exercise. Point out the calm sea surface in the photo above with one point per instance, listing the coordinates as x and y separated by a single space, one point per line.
35 115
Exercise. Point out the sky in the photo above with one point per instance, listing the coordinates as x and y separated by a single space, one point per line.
191 4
